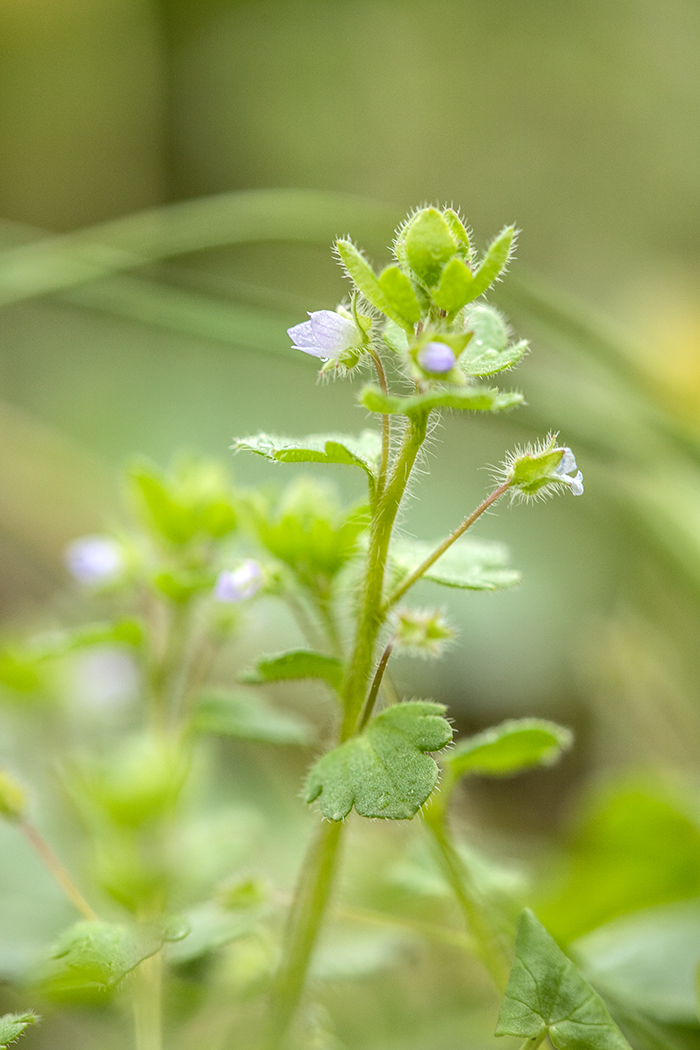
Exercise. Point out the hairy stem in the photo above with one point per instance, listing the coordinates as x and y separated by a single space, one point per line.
386 424
58 871
303 925
466 524
371 614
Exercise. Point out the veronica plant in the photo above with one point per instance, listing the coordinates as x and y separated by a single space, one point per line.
422 326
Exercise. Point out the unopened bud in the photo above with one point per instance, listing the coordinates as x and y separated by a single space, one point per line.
423 631
539 470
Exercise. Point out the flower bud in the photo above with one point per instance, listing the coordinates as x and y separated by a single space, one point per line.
13 801
422 631
536 471
437 358
237 585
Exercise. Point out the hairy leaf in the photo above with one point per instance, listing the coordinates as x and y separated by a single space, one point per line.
363 450
509 748
12 1026
548 995
488 351
399 294
455 286
474 398
296 663
384 771
468 564
428 244
366 281
493 263
237 715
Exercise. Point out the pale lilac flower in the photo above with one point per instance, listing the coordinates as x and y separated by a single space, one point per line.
437 357
235 585
566 466
326 334
93 560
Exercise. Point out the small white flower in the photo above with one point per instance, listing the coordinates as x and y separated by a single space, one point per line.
93 560
236 585
326 335
566 466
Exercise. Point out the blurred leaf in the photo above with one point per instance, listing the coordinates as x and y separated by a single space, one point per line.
383 772
468 564
211 927
353 957
363 450
548 995
237 715
12 1026
474 399
649 959
509 748
635 847
194 500
296 663
99 954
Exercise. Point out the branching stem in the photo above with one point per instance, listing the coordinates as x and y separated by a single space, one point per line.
439 551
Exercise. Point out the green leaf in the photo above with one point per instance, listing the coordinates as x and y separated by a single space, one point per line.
101 954
395 338
400 296
213 926
428 245
488 351
548 995
509 748
457 229
362 275
383 772
363 450
455 285
194 500
12 1026
296 663
494 262
468 564
475 399
238 715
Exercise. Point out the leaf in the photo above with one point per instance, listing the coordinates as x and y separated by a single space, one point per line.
100 954
509 748
12 1026
383 772
399 294
366 281
475 399
296 663
455 286
548 995
428 245
494 262
488 351
468 564
237 715
213 926
457 229
363 450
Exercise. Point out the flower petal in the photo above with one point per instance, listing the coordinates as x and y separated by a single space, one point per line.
333 333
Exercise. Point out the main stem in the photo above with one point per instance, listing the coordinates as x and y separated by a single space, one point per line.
148 980
316 877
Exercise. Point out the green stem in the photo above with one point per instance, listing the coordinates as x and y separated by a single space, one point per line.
303 925
490 942
439 551
376 682
371 615
386 424
148 992
57 870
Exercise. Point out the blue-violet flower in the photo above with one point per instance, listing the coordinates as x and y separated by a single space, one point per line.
326 335
93 560
236 585
436 357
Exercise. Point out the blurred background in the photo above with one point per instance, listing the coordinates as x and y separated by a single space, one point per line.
163 327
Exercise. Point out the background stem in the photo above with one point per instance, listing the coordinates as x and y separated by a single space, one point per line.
147 1000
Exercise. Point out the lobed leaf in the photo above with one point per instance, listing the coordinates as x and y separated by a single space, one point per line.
510 748
237 715
548 995
12 1026
468 564
296 663
383 771
474 399
363 450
